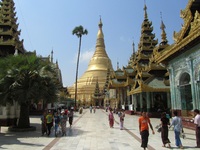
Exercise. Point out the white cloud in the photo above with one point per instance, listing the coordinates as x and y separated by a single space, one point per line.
124 39
85 56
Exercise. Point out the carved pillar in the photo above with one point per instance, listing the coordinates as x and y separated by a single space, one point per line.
197 94
189 62
173 88
168 100
141 102
134 101
148 101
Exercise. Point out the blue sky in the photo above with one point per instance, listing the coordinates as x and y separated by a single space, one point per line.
48 24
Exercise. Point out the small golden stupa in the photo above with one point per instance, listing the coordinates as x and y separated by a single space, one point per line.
98 68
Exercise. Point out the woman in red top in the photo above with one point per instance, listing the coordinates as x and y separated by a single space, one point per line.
144 123
111 118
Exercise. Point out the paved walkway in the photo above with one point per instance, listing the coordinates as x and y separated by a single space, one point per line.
91 132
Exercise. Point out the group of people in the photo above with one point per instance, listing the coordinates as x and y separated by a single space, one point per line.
92 108
58 119
144 123
111 119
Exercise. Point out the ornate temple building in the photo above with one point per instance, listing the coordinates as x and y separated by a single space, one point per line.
99 66
9 34
140 85
10 44
182 59
162 77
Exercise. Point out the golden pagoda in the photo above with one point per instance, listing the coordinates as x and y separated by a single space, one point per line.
98 68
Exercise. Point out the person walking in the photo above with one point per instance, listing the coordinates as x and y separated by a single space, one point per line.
56 123
71 115
90 108
164 130
111 118
63 121
122 120
49 119
144 123
178 128
197 123
44 123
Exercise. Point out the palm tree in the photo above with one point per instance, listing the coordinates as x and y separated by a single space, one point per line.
79 31
26 79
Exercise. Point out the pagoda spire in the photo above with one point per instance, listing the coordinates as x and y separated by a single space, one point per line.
145 10
163 34
100 46
52 56
133 46
117 65
9 41
147 41
131 60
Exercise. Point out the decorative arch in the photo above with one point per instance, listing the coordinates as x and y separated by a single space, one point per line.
184 79
186 94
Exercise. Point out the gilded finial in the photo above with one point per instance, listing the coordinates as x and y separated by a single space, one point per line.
100 22
117 65
145 10
133 44
57 63
52 55
162 27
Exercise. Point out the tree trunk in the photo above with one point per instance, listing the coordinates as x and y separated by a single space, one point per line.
78 57
24 121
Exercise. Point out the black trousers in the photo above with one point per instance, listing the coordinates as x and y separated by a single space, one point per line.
144 137
49 125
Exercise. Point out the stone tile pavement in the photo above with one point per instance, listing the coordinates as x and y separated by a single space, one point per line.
91 131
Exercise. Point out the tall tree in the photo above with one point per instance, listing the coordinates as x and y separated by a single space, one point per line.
26 79
79 32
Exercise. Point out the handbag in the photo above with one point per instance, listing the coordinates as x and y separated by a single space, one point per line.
182 134
159 129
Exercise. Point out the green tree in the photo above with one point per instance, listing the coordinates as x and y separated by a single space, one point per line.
26 79
79 32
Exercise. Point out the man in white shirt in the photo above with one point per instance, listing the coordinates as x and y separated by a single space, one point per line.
197 123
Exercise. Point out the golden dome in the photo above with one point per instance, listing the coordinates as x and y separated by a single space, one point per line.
98 67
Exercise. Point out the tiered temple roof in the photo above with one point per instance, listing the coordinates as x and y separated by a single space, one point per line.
188 36
142 74
9 34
